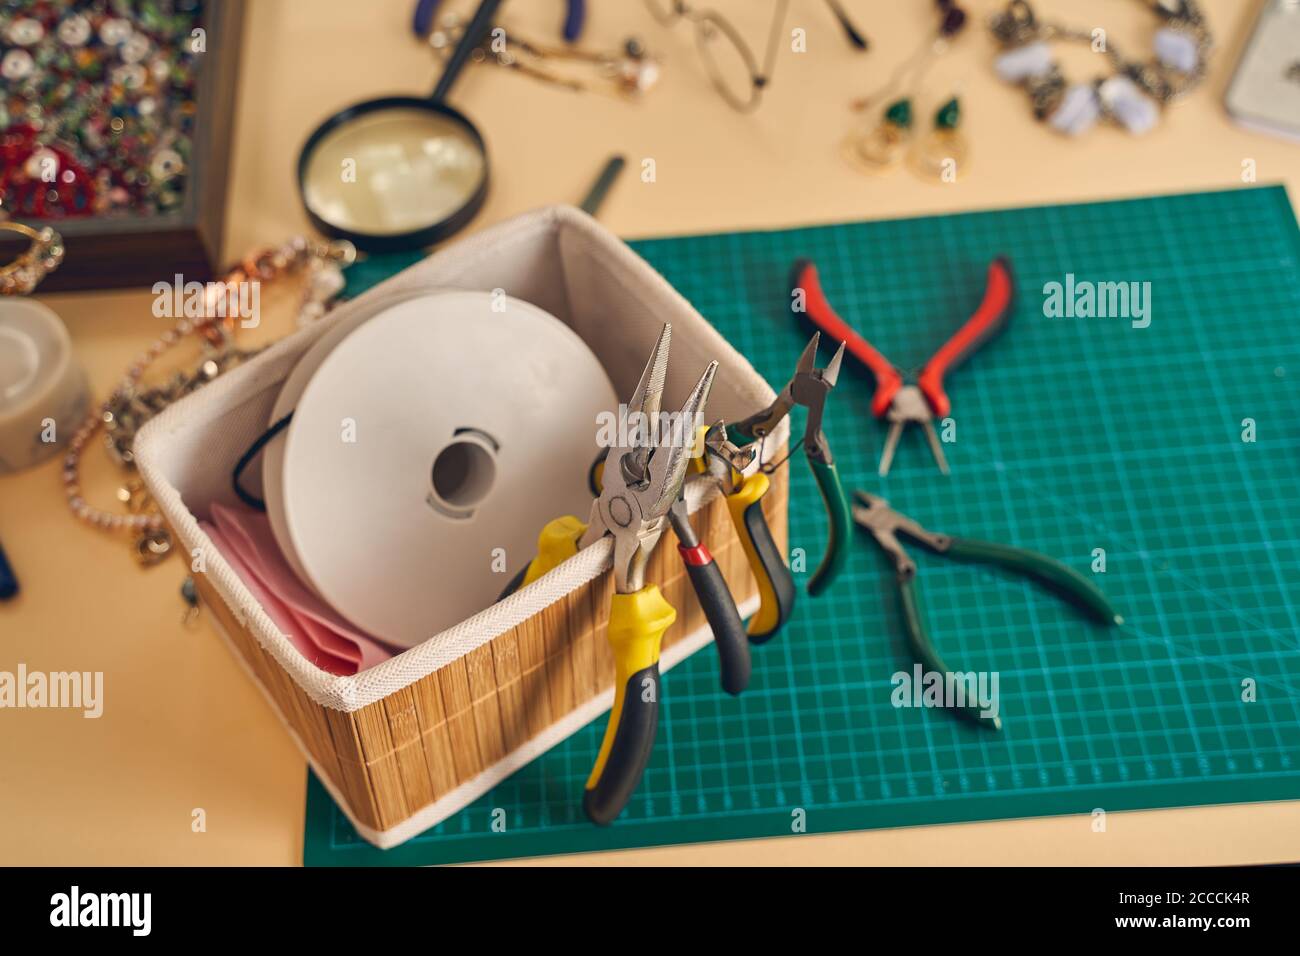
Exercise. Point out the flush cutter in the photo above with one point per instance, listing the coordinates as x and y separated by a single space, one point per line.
639 485
873 513
898 401
808 387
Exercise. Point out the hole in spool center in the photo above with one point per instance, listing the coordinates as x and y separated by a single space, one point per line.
463 473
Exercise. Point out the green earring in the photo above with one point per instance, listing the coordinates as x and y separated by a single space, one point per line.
941 155
880 148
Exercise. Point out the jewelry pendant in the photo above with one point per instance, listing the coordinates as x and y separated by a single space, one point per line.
190 595
880 149
941 155
152 547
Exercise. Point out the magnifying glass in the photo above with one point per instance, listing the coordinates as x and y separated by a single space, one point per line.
399 172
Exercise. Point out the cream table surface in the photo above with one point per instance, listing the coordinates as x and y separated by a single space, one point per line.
183 728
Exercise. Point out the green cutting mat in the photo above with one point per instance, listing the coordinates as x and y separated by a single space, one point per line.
1072 434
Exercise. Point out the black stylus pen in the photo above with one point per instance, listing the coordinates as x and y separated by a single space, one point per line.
8 582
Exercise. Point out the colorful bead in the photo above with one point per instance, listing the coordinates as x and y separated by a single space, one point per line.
114 31
1078 111
1176 49
953 21
25 31
899 113
1022 62
17 65
1136 111
108 85
74 31
949 115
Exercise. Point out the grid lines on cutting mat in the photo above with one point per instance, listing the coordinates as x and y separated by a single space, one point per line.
1071 434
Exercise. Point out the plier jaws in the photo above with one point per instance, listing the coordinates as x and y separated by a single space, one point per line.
725 462
643 477
909 407
808 387
873 513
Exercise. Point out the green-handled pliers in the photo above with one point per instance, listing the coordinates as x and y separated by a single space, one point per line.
885 524
809 387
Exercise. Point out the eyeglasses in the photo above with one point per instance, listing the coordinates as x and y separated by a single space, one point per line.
732 66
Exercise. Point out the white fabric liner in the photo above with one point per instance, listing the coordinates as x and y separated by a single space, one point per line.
561 260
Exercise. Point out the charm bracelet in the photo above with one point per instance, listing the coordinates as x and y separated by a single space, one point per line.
1132 96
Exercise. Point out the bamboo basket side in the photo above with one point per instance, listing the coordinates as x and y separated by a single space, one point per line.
391 758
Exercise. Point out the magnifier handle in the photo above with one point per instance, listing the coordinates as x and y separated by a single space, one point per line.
575 17
474 34
422 19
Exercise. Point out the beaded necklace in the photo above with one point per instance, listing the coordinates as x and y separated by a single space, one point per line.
129 405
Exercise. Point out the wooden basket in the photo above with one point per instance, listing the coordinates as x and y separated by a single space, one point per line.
422 748
412 740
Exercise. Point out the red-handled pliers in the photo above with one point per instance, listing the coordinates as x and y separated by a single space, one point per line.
895 399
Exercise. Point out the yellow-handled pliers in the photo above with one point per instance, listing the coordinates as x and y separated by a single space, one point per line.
641 480
727 465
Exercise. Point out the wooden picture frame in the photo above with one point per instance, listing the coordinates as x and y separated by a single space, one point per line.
123 251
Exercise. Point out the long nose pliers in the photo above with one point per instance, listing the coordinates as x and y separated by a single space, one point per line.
898 401
640 482
706 578
873 513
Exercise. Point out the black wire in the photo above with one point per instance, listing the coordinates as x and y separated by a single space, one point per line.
246 497
853 34
770 468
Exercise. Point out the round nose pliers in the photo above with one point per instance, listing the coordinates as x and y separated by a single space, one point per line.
873 513
896 400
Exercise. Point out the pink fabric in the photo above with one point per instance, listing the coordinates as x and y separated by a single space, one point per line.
244 538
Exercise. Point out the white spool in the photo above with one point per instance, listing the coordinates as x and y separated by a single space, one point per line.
444 428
